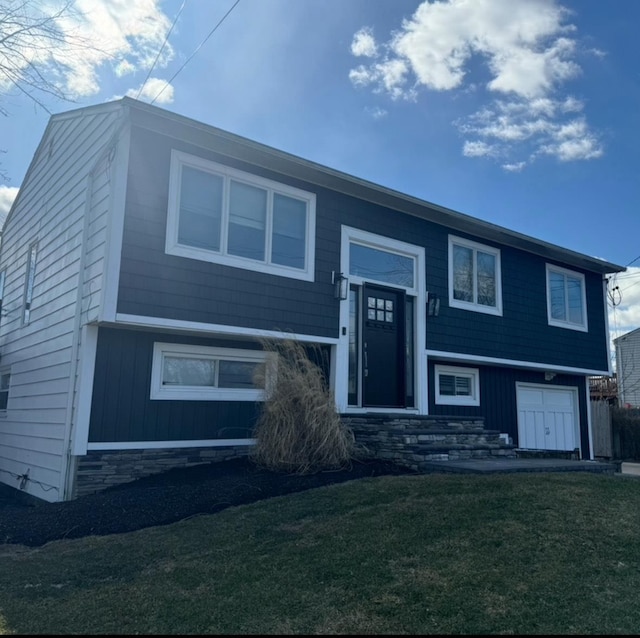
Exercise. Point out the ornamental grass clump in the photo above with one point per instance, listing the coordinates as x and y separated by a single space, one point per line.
298 430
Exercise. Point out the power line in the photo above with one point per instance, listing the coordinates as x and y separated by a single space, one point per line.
196 50
166 39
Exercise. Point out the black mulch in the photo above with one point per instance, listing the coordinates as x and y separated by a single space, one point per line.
161 499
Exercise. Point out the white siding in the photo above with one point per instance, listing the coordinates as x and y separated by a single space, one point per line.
51 209
628 368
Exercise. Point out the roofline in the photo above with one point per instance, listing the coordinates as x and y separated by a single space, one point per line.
626 334
348 183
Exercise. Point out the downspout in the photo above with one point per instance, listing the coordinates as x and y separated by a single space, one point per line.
68 467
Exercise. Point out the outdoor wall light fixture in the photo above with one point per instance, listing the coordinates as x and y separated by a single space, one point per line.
340 285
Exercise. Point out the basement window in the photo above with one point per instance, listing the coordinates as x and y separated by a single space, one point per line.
457 386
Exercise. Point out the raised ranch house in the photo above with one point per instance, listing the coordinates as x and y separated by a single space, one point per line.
146 251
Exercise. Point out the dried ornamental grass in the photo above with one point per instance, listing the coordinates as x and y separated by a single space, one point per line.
299 429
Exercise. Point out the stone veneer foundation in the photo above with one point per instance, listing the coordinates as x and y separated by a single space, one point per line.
99 470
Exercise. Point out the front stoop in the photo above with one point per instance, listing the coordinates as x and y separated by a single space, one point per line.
414 440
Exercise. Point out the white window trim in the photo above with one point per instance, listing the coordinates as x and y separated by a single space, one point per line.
470 305
582 327
474 373
199 393
173 247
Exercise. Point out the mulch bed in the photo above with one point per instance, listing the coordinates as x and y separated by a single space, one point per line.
162 499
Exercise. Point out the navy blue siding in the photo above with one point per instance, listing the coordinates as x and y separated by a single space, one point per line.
498 398
155 284
121 409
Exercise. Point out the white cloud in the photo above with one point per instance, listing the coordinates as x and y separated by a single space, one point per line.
7 195
364 44
527 47
516 167
154 89
127 35
376 112
477 149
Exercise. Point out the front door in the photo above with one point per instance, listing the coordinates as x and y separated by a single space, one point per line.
383 347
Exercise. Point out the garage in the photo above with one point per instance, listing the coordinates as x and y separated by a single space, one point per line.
547 417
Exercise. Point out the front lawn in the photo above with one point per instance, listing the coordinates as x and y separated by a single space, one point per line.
446 554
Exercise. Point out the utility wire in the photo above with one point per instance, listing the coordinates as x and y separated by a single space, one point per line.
196 50
166 39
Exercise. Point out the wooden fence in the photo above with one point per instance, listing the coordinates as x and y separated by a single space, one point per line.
601 427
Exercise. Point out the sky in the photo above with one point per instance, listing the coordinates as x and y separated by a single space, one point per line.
523 113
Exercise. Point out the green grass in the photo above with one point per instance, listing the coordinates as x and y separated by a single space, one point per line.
510 554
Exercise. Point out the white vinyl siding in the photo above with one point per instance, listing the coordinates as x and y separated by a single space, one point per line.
628 368
39 354
474 276
201 373
457 385
223 215
566 298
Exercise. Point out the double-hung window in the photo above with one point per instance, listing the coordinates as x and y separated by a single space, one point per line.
566 299
201 373
474 276
456 385
223 215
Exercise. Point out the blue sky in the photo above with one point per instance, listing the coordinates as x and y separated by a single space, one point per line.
524 113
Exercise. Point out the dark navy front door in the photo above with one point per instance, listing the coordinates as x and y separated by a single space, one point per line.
383 341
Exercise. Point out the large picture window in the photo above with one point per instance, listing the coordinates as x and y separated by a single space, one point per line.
200 373
566 300
227 216
474 276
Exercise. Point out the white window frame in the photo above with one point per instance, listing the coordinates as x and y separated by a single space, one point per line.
473 305
584 326
472 373
200 393
173 247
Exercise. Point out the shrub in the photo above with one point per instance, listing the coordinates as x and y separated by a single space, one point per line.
299 429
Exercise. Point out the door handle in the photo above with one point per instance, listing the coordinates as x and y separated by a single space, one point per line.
366 361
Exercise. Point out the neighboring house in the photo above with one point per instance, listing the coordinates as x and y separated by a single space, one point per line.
145 252
628 368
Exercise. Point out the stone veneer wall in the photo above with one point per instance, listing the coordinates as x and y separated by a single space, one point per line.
101 469
414 441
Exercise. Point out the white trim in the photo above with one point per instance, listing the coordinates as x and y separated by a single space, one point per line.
202 393
583 327
576 407
115 227
472 400
473 305
215 328
472 358
341 386
173 247
141 445
89 346
587 398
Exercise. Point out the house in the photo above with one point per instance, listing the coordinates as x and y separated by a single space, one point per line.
627 349
145 252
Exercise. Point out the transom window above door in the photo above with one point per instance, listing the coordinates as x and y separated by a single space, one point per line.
385 266
223 215
474 276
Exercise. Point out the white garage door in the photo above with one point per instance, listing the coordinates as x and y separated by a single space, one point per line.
547 417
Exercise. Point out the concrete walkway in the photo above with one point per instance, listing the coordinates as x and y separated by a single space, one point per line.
630 468
491 466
